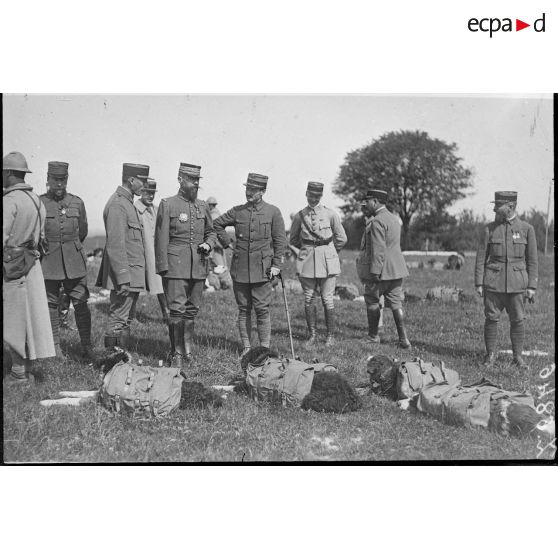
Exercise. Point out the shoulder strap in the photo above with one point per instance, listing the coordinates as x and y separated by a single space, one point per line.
38 208
305 225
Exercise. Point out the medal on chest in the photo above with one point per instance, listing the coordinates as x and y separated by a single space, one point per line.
63 211
516 235
183 217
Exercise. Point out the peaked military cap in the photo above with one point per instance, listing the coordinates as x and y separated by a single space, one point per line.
256 180
189 170
315 188
15 161
57 168
380 195
505 197
151 185
211 201
130 170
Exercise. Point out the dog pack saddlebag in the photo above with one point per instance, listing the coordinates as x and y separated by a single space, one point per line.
466 405
142 390
415 374
282 381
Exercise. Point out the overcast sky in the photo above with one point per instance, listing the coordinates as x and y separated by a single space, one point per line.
507 141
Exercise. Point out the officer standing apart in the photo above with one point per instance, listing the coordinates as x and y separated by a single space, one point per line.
65 264
184 238
27 330
317 231
148 212
381 266
123 265
257 257
506 272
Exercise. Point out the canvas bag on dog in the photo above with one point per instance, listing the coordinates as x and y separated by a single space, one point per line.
466 405
282 381
143 390
416 374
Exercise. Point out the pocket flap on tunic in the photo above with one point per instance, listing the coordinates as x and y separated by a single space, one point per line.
494 266
173 250
520 266
72 212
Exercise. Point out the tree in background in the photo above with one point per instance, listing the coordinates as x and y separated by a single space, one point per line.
538 220
422 175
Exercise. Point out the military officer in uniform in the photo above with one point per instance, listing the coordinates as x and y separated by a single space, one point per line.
148 212
184 238
123 266
506 272
257 257
381 266
65 264
318 233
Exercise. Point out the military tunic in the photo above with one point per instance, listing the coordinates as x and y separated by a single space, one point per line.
65 230
180 228
311 227
123 260
260 240
380 255
124 255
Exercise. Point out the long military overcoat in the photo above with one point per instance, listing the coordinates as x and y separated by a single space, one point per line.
380 249
324 223
260 240
26 318
180 228
507 257
65 230
124 255
147 217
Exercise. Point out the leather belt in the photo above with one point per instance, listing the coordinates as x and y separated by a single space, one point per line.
322 242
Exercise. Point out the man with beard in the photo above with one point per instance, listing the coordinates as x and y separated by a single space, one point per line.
257 258
65 264
148 212
184 238
506 272
381 265
123 266
27 331
318 233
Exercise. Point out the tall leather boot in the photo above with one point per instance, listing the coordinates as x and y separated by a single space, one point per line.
490 336
111 341
188 339
517 334
404 342
373 315
331 324
55 326
83 322
172 346
176 329
162 298
125 338
311 319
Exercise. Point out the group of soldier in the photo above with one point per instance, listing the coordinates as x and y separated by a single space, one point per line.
167 251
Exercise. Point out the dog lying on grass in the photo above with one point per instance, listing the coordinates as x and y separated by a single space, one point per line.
194 395
330 391
506 416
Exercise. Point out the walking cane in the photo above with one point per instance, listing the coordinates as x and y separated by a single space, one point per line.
288 315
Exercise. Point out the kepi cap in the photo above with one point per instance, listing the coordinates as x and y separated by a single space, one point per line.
505 197
380 195
256 180
190 170
15 161
57 168
315 188
130 170
211 201
150 185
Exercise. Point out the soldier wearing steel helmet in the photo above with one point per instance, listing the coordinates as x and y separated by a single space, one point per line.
65 265
184 238
506 272
27 331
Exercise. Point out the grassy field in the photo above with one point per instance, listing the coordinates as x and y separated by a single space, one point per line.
243 430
